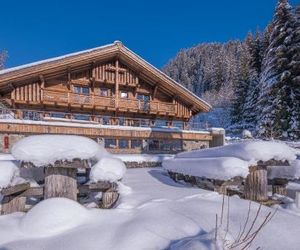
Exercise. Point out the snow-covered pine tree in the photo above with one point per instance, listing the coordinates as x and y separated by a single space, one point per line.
241 87
275 97
294 54
250 107
3 55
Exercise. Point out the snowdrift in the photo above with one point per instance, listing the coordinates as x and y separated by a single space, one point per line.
53 216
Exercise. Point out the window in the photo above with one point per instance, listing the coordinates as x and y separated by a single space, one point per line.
153 145
81 90
85 90
160 123
103 92
31 115
143 97
82 117
122 121
124 94
123 143
57 115
110 143
105 120
137 144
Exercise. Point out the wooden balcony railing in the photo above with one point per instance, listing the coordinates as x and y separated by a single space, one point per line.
102 101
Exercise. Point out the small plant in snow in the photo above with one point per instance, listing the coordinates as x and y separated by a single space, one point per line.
248 230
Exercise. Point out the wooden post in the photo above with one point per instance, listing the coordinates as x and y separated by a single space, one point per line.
117 84
256 184
279 186
60 182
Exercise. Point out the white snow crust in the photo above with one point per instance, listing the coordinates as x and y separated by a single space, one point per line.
108 169
222 168
43 150
9 174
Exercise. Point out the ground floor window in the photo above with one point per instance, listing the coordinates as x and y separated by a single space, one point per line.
153 145
110 143
136 144
123 143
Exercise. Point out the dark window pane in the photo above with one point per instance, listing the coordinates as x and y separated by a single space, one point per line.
123 143
85 90
110 143
153 145
57 115
77 89
137 144
82 117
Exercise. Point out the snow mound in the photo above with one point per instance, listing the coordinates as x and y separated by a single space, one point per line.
108 169
248 151
9 173
53 216
222 168
47 149
287 172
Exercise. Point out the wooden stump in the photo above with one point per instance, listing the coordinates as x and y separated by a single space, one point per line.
60 182
256 184
14 200
11 204
109 197
279 189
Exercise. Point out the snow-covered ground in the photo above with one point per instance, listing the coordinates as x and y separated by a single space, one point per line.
154 213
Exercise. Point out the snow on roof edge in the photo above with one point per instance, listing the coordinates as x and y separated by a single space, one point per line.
52 59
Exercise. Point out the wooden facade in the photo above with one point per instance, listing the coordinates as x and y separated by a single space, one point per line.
106 81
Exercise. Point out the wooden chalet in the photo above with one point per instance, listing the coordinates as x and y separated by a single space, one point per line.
107 93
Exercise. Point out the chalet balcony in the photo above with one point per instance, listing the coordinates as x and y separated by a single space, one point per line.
103 103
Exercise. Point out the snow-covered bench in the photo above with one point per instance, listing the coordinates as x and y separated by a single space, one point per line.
241 168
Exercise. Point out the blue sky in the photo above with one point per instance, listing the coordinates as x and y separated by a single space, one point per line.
156 30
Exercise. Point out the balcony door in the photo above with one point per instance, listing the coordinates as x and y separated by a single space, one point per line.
144 101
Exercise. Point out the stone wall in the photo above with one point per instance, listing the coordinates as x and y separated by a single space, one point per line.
144 164
193 145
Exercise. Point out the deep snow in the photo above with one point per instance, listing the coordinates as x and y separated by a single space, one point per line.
156 214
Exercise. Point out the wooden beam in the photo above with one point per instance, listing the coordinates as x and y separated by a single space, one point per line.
154 92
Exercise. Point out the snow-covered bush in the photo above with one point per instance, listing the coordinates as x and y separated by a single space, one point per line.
246 134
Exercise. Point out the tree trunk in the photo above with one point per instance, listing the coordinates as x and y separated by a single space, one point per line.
256 184
60 182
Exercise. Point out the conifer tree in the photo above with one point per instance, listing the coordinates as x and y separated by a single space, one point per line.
275 98
250 109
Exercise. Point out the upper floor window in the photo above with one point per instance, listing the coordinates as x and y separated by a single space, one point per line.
143 97
124 94
103 92
81 90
